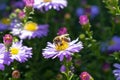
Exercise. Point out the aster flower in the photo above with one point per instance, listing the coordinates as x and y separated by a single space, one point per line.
49 4
19 52
4 57
114 44
116 72
62 47
32 30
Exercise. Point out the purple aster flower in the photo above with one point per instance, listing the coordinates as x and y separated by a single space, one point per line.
116 72
19 52
114 44
49 4
62 47
80 11
62 31
4 57
32 30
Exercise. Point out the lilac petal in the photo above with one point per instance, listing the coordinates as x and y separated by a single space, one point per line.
61 57
2 67
116 65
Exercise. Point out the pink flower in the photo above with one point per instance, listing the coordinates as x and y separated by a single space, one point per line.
85 76
83 20
29 3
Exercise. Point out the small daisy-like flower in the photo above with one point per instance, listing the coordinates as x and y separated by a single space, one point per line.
116 72
19 52
49 4
62 47
4 57
32 30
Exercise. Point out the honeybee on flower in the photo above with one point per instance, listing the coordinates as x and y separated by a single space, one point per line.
62 47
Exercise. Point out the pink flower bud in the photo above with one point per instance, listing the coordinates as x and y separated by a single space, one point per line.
83 20
16 74
21 14
85 76
62 31
7 39
29 3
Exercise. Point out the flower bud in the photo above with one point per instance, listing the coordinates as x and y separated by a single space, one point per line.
29 3
7 39
16 74
62 69
21 14
62 31
85 76
83 20
67 16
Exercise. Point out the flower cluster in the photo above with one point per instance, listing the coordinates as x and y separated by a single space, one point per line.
11 51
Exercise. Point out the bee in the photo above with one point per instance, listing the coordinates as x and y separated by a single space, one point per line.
60 39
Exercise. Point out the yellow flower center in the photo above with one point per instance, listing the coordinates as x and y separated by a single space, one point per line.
31 26
5 21
14 51
62 46
46 0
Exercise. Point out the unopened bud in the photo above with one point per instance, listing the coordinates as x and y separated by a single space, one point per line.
7 39
85 76
16 74
83 20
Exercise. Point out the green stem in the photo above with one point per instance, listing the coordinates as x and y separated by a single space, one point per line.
67 73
